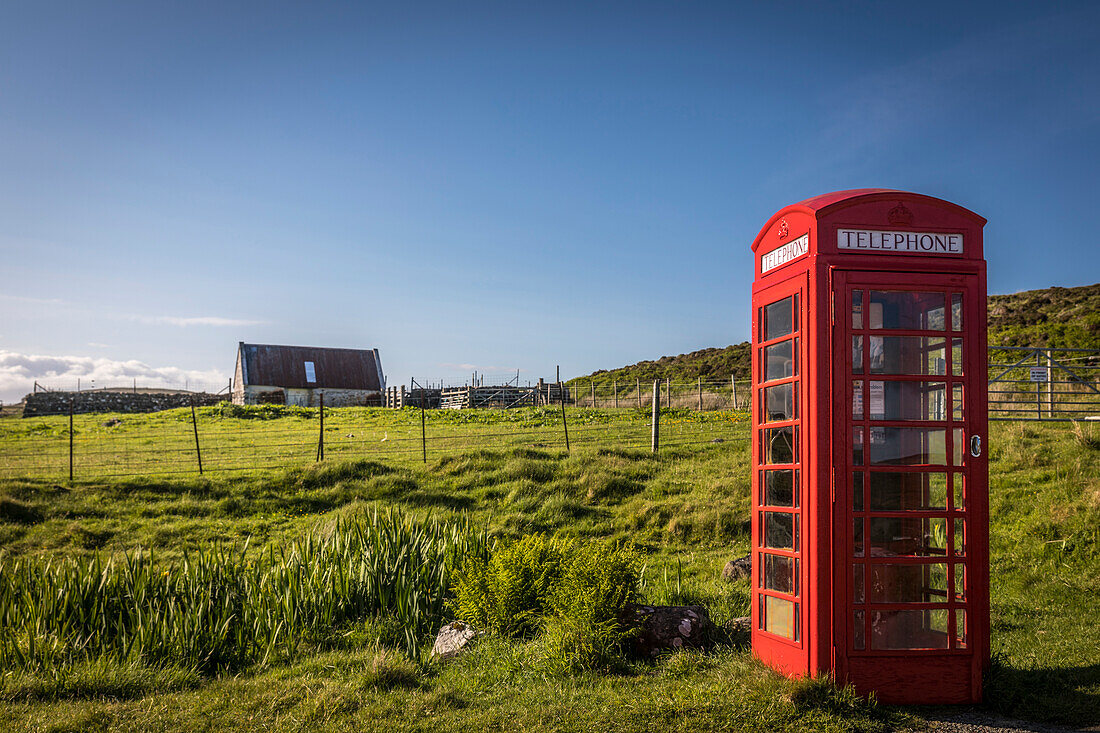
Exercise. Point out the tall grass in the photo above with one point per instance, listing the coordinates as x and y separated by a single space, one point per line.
224 608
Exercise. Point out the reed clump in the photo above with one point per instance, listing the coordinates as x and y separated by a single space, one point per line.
226 608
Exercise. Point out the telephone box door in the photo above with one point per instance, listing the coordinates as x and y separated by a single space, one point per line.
909 455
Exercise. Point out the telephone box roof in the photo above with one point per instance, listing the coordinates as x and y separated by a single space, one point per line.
838 199
819 207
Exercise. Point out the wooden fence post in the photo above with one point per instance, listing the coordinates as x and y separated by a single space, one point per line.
655 430
423 429
615 389
668 392
195 425
733 384
321 433
699 382
561 396
70 438
592 387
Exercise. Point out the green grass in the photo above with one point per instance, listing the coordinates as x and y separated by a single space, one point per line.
687 512
240 439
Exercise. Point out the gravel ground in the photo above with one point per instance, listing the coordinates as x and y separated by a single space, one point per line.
969 720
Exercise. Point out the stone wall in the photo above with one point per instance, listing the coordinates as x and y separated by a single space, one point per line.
255 394
57 403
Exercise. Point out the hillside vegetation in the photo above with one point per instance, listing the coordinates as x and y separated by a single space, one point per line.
349 662
1054 317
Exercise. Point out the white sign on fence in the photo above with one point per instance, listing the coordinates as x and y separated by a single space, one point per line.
1038 374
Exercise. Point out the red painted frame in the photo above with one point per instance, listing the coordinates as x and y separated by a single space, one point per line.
823 276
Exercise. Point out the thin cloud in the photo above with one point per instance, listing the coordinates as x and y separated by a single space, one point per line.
19 372
183 322
31 300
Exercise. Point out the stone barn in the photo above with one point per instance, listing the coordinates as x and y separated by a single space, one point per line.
298 375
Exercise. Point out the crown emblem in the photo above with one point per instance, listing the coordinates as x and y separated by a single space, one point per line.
900 216
784 230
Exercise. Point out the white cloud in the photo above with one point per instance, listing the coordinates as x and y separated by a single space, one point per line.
194 321
19 372
32 301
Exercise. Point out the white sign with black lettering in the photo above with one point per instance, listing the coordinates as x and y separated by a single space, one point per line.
1038 374
907 243
785 253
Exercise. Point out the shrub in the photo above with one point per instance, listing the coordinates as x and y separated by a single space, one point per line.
584 630
508 593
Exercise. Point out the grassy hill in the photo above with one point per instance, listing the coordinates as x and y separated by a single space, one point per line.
1057 317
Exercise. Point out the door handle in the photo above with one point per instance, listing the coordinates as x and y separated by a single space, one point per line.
976 446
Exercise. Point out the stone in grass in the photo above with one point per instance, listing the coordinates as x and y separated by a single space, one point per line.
739 625
452 639
668 628
737 569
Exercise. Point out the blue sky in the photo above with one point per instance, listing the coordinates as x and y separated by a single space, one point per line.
496 186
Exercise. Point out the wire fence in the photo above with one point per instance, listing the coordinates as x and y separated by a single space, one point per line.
228 437
702 393
1024 384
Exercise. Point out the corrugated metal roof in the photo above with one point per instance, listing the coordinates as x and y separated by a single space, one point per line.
285 366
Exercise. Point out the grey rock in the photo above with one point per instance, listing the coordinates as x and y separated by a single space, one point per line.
452 639
737 569
739 625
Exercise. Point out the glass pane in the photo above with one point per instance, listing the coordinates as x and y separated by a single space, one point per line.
957 402
959 448
780 487
859 631
857 491
960 582
781 574
908 400
857 399
777 319
780 402
960 628
909 629
780 444
857 537
917 355
907 583
857 584
780 530
956 357
956 311
960 537
781 617
912 536
857 309
857 355
779 360
908 446
857 447
958 480
890 492
907 310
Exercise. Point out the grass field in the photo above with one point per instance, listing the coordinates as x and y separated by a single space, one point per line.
687 511
242 439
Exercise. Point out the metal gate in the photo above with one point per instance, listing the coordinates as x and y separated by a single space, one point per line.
1028 383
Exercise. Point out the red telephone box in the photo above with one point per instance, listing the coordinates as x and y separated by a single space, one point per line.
870 485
